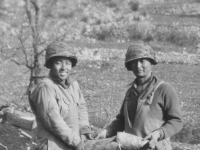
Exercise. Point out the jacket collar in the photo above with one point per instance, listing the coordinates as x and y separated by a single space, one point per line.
135 82
149 86
65 84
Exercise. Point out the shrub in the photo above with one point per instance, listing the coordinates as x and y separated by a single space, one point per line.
135 33
67 15
101 32
108 3
84 19
103 1
176 34
106 33
141 31
111 4
134 5
149 37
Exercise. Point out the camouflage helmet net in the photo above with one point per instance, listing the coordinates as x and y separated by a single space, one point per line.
59 49
138 51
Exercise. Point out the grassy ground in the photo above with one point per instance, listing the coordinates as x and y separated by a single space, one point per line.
11 137
104 84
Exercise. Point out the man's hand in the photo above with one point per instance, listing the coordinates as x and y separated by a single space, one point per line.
80 146
87 136
153 138
100 135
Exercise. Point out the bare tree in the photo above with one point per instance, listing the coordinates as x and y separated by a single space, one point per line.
28 52
29 46
34 15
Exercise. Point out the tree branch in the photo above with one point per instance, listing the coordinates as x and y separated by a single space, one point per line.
18 63
4 146
108 117
24 52
7 58
38 13
30 16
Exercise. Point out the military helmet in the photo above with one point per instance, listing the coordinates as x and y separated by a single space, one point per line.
59 49
137 51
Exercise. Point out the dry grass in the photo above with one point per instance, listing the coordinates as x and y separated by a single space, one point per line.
104 85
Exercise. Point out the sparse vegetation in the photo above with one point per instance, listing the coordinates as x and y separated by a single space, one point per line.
66 15
134 5
109 26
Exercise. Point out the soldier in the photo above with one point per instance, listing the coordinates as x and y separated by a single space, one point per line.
58 103
151 108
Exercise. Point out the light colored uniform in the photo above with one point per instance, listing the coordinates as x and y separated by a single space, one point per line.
60 112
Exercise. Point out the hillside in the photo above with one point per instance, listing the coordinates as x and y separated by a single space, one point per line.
101 31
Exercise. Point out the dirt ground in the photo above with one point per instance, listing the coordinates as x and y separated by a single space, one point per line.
11 137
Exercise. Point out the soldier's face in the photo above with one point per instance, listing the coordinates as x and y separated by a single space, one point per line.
141 68
61 67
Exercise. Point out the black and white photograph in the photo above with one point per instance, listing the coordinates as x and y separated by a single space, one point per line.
100 75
